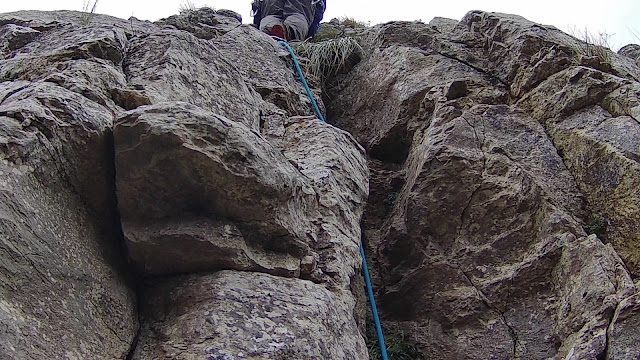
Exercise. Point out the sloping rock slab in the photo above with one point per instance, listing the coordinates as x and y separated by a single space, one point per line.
196 244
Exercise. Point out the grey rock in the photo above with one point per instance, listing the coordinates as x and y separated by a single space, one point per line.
204 23
443 24
623 331
602 153
235 315
502 221
165 67
308 200
265 66
64 291
208 165
631 50
15 37
200 244
475 221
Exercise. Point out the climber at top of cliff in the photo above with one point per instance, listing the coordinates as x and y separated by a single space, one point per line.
288 19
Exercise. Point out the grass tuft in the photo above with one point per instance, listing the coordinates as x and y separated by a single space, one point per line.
187 7
594 44
326 58
353 23
88 13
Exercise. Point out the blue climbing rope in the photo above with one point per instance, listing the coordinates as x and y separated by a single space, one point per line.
304 82
365 268
374 308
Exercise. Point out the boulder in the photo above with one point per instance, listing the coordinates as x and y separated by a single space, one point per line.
208 166
631 50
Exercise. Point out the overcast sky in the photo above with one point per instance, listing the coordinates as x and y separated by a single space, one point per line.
621 18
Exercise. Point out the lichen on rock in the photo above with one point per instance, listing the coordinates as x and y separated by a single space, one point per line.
168 192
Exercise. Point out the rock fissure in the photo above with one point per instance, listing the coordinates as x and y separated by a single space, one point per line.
241 214
478 69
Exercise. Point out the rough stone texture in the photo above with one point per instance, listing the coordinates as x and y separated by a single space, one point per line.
478 184
631 50
199 187
212 167
443 24
209 166
205 23
592 118
624 330
224 169
270 318
192 245
503 216
64 290
164 67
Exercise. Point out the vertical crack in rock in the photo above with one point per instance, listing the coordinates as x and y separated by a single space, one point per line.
521 199
512 331
241 213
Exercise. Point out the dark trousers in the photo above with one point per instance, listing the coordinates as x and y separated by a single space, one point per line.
295 15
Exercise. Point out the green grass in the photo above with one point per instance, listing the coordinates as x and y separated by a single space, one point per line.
326 32
596 226
353 23
88 13
397 349
326 58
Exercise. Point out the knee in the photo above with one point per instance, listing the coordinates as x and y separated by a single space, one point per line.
298 26
268 21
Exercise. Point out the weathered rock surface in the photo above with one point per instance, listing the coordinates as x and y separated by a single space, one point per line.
269 317
631 50
624 328
503 162
217 166
221 172
486 141
208 166
64 291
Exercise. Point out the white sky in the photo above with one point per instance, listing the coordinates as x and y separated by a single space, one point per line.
620 18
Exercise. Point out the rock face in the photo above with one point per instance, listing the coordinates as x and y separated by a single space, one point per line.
64 288
237 315
218 170
493 145
167 192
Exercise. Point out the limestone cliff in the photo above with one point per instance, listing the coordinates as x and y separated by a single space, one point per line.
167 192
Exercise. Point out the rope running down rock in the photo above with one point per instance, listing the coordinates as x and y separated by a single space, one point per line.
367 279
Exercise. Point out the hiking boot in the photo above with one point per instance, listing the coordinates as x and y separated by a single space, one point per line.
278 31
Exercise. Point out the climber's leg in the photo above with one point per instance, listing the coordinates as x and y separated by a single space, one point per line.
298 15
272 17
